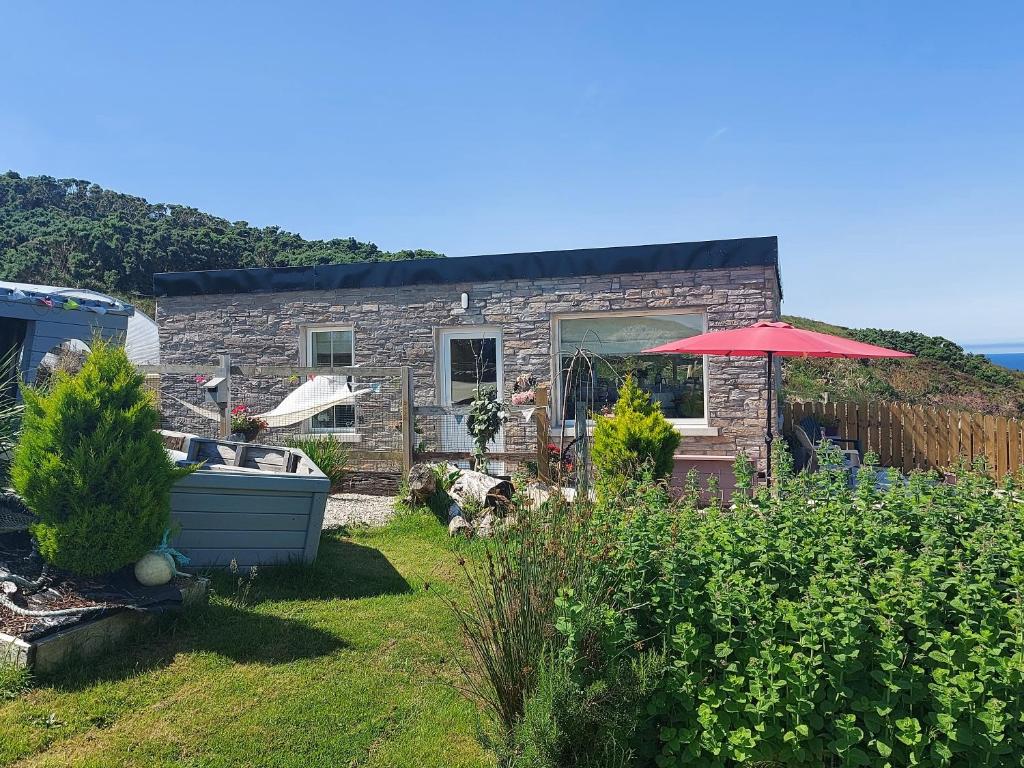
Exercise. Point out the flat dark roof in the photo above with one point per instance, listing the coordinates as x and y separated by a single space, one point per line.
710 254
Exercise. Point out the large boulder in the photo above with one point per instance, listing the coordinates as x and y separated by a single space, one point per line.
486 491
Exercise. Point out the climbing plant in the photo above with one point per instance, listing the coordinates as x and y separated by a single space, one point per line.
486 416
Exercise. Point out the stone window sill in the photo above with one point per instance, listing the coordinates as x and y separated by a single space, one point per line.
686 430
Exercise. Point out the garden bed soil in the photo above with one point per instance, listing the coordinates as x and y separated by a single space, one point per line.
125 603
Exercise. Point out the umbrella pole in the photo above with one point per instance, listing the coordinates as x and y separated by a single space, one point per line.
768 437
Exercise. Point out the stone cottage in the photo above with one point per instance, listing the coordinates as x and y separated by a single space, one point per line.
461 322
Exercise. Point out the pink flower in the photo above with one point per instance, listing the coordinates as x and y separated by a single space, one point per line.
523 398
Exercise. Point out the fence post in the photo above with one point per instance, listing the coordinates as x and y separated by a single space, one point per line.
540 415
225 408
408 425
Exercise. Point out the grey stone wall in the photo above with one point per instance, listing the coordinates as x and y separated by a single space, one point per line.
401 326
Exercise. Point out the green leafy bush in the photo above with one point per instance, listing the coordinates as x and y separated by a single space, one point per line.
327 453
819 625
91 467
486 415
637 434
589 705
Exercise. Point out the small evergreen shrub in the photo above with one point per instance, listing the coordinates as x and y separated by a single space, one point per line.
91 466
589 706
636 434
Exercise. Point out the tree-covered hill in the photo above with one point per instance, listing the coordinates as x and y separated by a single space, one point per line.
74 232
942 374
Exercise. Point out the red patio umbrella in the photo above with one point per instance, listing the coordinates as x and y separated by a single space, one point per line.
770 339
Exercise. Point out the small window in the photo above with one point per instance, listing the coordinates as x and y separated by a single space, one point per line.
332 348
615 344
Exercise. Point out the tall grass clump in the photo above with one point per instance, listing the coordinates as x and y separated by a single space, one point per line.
91 466
509 619
10 413
635 435
14 681
817 624
330 455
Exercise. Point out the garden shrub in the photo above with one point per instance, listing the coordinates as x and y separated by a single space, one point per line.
637 434
484 421
509 619
91 467
816 625
589 706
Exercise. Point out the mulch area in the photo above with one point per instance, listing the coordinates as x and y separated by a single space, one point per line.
118 591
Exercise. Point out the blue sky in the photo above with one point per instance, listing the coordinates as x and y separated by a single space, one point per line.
882 142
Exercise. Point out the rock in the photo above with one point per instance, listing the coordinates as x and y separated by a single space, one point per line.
459 525
537 493
454 511
422 483
483 489
486 525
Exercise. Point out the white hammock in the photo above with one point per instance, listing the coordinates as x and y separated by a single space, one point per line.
309 399
312 398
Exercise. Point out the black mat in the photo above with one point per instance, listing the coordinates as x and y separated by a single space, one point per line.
119 591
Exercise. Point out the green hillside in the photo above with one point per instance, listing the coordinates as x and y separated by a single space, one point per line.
942 374
74 232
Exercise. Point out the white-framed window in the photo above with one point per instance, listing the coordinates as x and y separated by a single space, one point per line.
332 347
614 343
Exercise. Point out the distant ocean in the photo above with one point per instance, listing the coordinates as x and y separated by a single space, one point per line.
1013 360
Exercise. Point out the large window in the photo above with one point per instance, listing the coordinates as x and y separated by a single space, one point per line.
614 346
331 348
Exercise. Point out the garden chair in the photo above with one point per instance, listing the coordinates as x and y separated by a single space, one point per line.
809 449
818 432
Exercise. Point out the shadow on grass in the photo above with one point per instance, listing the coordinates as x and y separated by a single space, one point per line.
239 634
342 570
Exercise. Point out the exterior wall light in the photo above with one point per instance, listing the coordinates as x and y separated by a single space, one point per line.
465 301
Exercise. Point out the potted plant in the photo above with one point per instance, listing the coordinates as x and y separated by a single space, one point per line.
246 424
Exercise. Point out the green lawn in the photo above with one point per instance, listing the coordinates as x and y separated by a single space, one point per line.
347 663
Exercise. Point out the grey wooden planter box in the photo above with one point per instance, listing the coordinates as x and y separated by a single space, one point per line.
254 504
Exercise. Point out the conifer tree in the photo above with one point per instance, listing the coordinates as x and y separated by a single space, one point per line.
635 436
91 466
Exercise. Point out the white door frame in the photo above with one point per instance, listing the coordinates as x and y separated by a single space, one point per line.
454 427
445 357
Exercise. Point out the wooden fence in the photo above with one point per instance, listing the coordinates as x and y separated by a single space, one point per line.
914 437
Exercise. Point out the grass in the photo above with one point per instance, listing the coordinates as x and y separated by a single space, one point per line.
349 662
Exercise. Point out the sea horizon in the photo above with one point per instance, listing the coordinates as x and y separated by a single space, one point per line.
1012 360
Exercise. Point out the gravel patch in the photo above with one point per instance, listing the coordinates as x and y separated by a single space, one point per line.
358 509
